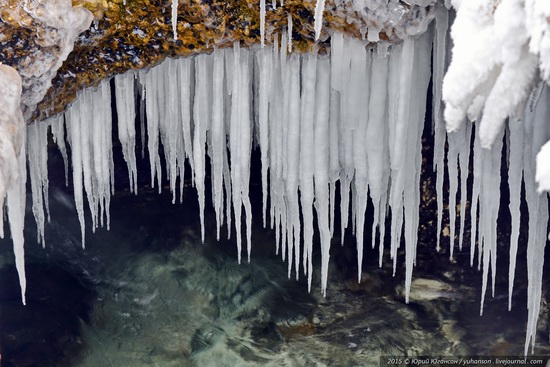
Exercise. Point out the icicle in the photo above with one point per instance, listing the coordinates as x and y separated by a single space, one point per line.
58 135
234 145
455 145
515 175
185 85
13 170
337 44
319 8
488 212
151 109
278 99
265 71
441 27
289 31
536 131
476 188
74 134
334 153
321 175
394 89
413 157
171 130
376 142
102 152
245 135
307 161
175 18
200 117
336 60
262 22
218 137
291 155
464 164
348 121
37 143
240 143
360 63
16 216
140 74
125 102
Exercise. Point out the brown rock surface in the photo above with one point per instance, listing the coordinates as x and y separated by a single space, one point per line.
135 34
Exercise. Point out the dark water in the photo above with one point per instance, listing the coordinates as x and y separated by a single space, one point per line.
149 293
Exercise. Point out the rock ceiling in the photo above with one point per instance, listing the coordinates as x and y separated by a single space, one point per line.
135 34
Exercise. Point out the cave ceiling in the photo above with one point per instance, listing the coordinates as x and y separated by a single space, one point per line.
134 34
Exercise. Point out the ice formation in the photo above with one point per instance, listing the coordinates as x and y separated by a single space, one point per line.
175 19
501 52
354 116
318 25
305 103
13 172
88 133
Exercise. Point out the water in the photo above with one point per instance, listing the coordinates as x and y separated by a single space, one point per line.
149 293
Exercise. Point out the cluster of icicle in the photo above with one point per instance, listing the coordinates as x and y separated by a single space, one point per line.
501 49
354 116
